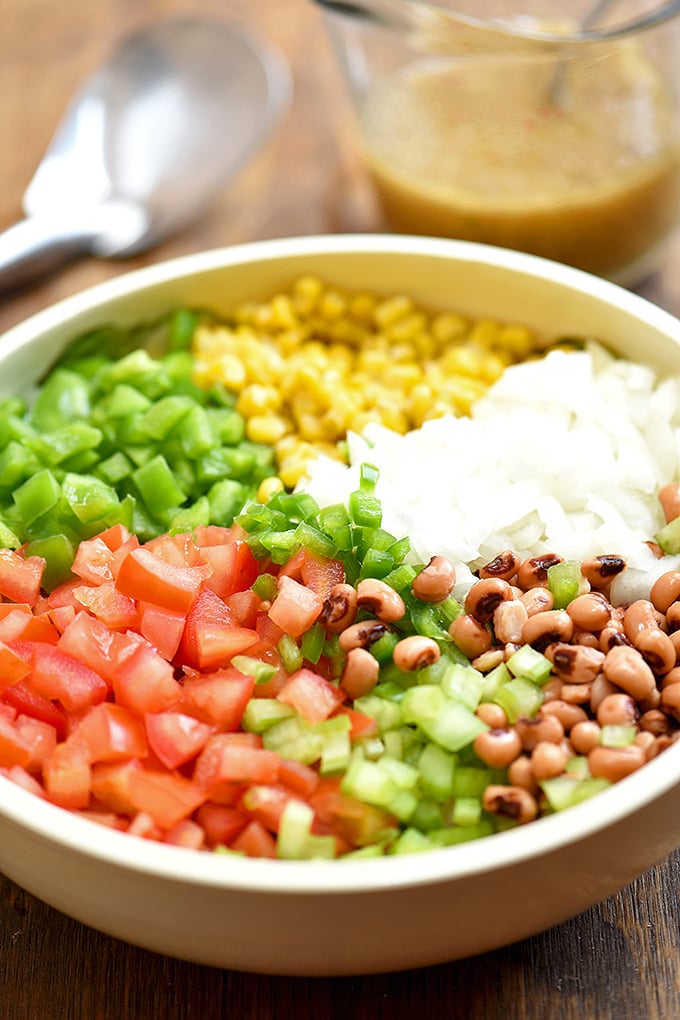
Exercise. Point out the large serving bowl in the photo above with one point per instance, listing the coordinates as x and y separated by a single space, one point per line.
359 916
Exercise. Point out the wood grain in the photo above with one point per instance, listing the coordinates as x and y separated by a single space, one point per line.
620 959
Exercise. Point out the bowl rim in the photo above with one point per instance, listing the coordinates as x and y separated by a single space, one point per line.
51 823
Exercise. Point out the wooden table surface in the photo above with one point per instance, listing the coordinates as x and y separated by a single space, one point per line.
621 959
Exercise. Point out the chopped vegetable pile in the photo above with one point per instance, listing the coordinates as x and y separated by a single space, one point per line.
192 653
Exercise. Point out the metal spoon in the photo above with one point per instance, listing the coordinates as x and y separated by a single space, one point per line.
146 144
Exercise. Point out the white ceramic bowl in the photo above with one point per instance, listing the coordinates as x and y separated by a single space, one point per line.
355 916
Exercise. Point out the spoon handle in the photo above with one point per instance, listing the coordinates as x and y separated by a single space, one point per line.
34 247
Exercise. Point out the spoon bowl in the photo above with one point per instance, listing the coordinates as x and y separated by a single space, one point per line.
148 141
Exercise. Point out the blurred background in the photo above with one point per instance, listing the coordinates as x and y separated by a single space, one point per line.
302 181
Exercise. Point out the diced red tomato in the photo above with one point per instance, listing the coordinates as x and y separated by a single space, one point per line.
144 682
116 610
13 607
266 804
163 628
13 625
233 567
218 698
179 550
211 637
316 572
111 785
101 648
20 577
15 749
167 797
144 826
176 738
12 666
299 778
238 763
116 536
63 595
221 824
295 607
310 695
62 616
41 738
62 677
112 733
92 562
67 776
21 697
255 841
355 821
24 779
362 725
148 578
187 834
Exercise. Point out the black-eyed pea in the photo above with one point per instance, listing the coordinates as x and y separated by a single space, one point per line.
471 636
508 620
657 649
671 677
380 599
577 694
489 660
626 668
655 722
585 637
542 629
436 581
585 736
569 715
653 700
360 673
577 664
339 608
613 635
665 590
618 710
673 617
485 596
648 742
493 715
615 763
670 701
639 616
548 760
537 600
669 498
537 729
552 689
521 774
600 571
510 802
590 612
415 652
498 747
361 635
674 636
503 566
533 572
601 689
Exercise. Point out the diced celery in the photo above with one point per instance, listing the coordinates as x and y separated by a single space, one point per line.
387 714
529 663
261 671
405 776
668 538
293 738
565 582
437 768
566 791
470 783
383 648
492 680
403 805
427 815
262 713
453 835
518 698
463 683
295 840
422 703
335 744
366 781
617 736
290 653
455 727
411 841
467 811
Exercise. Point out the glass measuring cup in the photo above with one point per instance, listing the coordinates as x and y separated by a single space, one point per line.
525 129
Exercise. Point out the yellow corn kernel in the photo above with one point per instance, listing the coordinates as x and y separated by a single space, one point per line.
518 340
462 391
332 306
268 487
391 310
309 427
283 312
402 377
306 292
266 428
425 345
420 402
258 399
492 367
407 328
393 418
448 327
403 352
346 331
230 370
462 360
485 332
362 307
